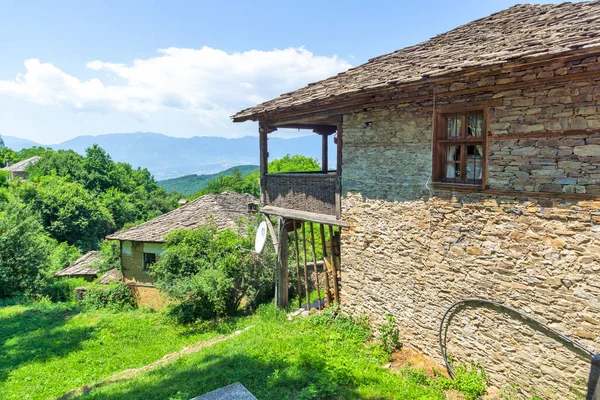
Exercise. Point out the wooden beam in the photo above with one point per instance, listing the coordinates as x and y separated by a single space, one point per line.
298 285
358 101
495 192
326 269
336 289
339 141
306 289
303 216
263 131
282 265
314 254
541 135
324 153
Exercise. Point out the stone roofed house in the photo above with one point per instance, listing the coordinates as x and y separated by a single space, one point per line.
468 166
19 170
142 245
83 267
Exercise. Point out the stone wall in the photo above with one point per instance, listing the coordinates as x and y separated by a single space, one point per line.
412 250
557 165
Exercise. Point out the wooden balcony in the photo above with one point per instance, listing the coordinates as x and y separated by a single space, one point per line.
313 192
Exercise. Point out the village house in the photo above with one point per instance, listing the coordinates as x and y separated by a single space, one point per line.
468 167
84 267
142 245
19 170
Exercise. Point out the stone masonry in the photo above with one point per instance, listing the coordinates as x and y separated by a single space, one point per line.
412 249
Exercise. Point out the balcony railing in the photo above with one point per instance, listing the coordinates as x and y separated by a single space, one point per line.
303 191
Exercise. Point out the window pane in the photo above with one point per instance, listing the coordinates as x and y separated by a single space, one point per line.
453 162
453 127
474 157
475 124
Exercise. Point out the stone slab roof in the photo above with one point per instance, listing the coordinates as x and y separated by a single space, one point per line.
223 209
517 33
83 266
21 165
110 276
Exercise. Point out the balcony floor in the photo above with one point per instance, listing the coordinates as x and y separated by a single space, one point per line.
303 216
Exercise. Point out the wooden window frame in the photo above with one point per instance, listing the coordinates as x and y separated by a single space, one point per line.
440 142
145 265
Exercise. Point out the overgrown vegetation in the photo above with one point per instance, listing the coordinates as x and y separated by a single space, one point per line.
210 273
389 335
116 297
65 208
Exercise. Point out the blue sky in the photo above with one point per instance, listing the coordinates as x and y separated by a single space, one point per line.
89 67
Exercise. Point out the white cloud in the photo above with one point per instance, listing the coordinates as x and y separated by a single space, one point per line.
208 84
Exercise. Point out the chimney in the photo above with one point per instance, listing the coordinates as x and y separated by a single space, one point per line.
8 163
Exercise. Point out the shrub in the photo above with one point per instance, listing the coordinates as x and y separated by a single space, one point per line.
470 380
24 248
211 272
389 335
116 296
60 290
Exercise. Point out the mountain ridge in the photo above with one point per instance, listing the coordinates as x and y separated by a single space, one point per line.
169 157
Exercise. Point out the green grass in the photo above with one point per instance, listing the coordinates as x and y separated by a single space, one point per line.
312 358
47 349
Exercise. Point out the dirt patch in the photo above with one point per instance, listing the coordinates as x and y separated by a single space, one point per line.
415 359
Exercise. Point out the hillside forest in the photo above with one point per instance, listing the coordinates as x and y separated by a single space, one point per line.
68 204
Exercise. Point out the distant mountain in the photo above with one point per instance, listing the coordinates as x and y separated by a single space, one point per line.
191 184
16 143
169 157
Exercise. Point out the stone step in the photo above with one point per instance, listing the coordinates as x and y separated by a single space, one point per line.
235 391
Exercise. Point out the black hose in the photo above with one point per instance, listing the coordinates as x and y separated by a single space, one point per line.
443 334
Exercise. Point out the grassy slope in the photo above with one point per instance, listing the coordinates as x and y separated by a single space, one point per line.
191 184
277 359
46 350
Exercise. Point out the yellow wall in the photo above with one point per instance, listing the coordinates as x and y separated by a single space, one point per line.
132 259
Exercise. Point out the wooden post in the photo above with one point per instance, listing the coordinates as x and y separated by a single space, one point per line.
314 253
338 188
336 288
263 131
299 284
324 153
305 268
282 264
326 269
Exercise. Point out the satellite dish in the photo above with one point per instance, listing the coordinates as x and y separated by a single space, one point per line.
261 237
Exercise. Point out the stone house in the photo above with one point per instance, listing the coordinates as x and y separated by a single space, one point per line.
84 267
468 167
19 170
142 245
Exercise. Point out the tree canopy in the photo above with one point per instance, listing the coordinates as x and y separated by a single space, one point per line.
67 206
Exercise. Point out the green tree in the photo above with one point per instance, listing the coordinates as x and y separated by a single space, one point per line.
70 213
24 249
60 257
237 183
210 273
99 169
295 163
